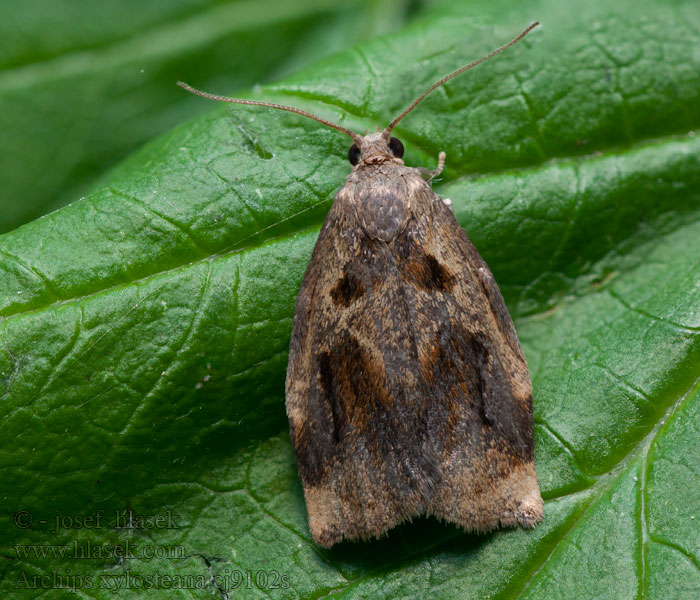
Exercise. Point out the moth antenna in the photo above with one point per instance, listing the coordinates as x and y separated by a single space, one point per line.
387 131
356 138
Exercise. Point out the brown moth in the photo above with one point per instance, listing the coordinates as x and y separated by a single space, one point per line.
407 390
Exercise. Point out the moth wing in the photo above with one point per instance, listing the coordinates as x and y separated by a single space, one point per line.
407 390
473 373
354 398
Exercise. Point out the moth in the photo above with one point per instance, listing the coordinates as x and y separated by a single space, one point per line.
407 390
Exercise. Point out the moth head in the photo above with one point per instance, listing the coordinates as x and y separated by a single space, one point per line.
378 147
375 148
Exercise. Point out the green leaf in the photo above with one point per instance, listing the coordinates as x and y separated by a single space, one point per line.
82 84
144 329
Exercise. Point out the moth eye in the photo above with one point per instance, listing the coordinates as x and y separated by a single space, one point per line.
396 147
354 154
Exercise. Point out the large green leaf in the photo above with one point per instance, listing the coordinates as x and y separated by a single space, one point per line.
145 328
84 83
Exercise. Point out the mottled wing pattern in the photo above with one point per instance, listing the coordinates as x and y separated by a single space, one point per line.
473 374
407 391
353 394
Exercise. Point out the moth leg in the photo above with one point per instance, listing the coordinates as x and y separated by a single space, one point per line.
427 174
440 165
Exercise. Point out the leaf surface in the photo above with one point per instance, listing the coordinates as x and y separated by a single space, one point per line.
145 328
